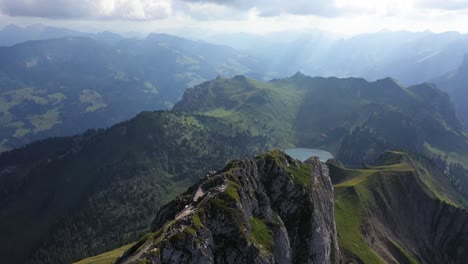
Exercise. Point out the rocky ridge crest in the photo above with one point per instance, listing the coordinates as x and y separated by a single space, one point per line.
269 209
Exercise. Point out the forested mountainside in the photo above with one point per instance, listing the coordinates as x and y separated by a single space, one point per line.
61 87
64 199
99 190
354 119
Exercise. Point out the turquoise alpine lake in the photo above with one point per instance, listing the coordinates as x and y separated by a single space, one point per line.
304 153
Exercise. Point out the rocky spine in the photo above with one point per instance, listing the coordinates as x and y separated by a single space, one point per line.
269 209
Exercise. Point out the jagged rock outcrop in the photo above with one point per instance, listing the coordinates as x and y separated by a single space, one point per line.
269 209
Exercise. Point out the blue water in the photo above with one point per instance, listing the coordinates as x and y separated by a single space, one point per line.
304 153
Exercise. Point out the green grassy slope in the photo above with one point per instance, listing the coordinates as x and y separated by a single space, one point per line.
373 221
61 87
354 119
106 258
265 108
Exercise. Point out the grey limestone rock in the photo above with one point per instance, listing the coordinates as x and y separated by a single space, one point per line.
269 209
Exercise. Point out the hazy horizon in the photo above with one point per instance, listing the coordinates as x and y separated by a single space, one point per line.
208 17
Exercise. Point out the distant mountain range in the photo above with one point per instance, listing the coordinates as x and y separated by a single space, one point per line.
455 83
409 57
13 34
64 86
59 87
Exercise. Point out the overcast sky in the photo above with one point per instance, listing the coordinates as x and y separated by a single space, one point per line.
254 16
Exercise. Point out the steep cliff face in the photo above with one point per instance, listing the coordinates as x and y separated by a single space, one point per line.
401 210
269 209
402 217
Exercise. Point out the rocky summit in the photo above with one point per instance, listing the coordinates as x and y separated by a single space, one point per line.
269 209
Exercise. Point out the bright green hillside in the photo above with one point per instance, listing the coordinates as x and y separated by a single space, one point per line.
363 197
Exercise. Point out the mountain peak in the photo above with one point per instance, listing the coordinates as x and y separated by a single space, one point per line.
253 211
390 83
240 78
163 37
299 74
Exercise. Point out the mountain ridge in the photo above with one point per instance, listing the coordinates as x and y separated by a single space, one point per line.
374 223
251 211
403 215
322 112
60 87
139 164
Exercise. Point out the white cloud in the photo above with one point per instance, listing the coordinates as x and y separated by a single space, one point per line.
255 16
444 4
91 9
208 11
323 8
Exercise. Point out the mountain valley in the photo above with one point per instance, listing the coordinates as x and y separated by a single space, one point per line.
120 175
100 83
